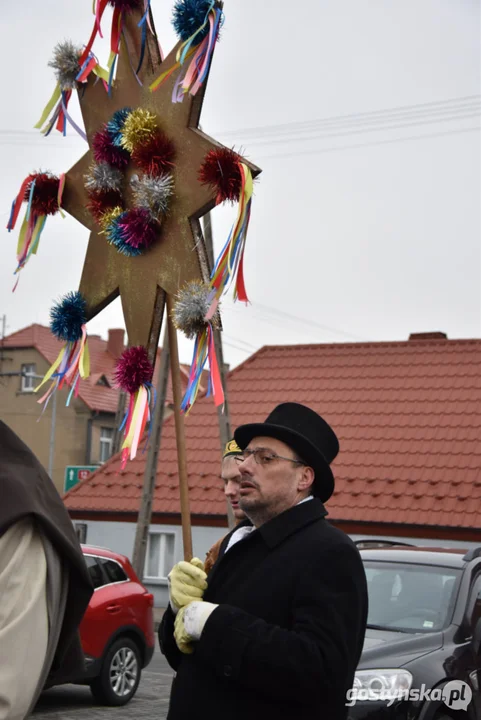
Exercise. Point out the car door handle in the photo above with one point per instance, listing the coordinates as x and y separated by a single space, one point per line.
113 608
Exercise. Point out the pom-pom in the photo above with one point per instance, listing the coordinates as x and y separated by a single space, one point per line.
189 16
45 194
68 316
139 126
133 369
101 201
115 125
135 231
104 177
191 306
221 171
105 151
65 62
156 155
108 218
153 193
125 6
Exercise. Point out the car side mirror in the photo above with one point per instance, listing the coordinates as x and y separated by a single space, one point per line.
476 641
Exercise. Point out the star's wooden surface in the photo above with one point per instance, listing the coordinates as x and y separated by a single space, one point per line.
179 255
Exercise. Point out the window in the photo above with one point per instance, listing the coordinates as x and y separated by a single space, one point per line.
28 377
113 570
81 530
160 555
106 440
413 598
95 571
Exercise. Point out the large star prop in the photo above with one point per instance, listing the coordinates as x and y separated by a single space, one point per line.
179 255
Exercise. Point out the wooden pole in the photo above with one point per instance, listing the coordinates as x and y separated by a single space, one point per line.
180 435
145 511
223 415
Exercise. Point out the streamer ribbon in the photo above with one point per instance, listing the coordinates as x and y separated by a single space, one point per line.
135 421
72 363
230 264
204 350
202 55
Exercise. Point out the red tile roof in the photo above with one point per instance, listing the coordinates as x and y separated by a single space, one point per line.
102 363
408 416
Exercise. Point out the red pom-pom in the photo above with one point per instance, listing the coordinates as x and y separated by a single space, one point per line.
138 229
125 5
221 171
101 200
105 151
45 194
133 369
155 156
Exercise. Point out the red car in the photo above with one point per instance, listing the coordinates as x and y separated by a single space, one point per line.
117 631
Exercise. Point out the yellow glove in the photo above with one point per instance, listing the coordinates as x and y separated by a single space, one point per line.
189 624
182 638
187 582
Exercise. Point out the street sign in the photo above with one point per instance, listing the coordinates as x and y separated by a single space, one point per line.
75 473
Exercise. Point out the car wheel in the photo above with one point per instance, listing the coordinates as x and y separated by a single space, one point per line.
120 674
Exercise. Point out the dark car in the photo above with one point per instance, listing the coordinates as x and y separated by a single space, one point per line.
117 631
421 658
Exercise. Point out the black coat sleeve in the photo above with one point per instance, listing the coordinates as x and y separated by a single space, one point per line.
317 656
167 642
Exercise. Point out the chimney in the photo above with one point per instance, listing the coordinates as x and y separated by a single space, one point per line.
115 343
428 336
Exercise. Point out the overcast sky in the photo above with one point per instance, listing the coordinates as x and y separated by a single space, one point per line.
363 115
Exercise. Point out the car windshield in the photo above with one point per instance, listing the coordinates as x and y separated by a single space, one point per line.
410 598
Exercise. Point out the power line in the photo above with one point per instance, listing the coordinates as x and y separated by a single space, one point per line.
355 146
421 113
374 116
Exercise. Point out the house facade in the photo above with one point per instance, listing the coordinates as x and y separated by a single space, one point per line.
83 433
408 417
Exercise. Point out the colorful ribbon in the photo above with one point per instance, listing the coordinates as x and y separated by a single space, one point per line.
56 108
135 421
199 66
230 264
72 363
204 349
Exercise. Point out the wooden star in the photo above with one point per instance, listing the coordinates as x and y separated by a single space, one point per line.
179 255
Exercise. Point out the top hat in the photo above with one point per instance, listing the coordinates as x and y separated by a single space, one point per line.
307 433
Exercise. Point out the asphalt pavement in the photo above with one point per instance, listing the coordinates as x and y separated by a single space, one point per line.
75 702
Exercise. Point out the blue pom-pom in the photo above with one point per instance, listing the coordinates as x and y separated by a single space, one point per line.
115 125
189 16
68 316
115 237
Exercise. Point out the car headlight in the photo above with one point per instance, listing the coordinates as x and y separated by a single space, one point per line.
381 685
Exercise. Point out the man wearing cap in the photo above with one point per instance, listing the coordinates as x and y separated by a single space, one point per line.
279 629
231 476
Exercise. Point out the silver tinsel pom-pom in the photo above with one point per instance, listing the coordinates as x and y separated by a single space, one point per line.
152 192
104 177
65 63
190 309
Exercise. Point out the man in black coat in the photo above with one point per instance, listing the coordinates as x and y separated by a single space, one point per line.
278 628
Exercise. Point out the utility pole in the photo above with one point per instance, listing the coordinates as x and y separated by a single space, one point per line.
53 422
119 416
222 413
145 511
4 326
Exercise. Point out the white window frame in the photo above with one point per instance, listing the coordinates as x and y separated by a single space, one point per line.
28 377
106 441
162 570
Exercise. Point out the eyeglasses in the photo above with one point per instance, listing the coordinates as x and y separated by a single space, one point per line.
264 457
